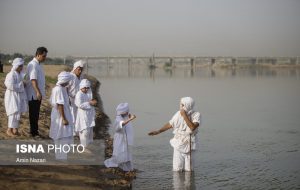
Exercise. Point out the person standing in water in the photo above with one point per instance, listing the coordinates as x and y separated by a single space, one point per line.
185 124
123 139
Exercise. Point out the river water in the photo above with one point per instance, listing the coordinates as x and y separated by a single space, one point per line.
249 135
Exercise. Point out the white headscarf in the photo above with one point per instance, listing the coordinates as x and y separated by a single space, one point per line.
16 63
188 104
79 63
63 77
122 108
84 83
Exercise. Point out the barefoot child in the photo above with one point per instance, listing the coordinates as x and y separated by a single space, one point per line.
15 97
123 138
85 119
61 128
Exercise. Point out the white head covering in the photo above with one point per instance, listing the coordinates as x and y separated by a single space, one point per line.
188 104
122 108
63 77
84 83
79 63
16 63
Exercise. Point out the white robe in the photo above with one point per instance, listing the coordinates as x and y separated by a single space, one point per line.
123 139
73 88
15 99
184 141
57 128
85 119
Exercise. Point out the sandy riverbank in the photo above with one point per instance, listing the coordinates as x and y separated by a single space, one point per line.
64 176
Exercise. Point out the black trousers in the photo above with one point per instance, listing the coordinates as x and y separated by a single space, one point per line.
34 114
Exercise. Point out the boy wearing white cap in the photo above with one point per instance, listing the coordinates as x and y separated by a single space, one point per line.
85 119
15 99
123 138
185 125
61 128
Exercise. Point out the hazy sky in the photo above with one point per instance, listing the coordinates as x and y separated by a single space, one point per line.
144 27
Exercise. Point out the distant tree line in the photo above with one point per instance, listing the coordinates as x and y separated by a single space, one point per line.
5 58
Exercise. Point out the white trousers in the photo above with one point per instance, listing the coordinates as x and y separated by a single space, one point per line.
86 136
182 162
60 154
74 109
183 180
13 121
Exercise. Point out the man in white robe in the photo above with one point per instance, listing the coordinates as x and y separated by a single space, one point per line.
123 139
15 99
185 125
73 86
61 128
85 119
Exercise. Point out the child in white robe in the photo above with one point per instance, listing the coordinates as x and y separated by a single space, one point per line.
123 139
185 123
61 128
85 119
15 99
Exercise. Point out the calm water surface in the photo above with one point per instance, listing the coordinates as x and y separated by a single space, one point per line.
249 136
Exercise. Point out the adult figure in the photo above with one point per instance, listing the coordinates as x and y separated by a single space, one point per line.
73 86
185 125
35 88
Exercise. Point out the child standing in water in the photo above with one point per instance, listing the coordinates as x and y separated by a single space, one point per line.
123 139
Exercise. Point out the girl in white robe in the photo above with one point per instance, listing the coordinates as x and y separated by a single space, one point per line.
15 99
85 119
185 125
123 139
61 128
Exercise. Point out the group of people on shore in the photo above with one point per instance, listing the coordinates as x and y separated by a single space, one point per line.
71 99
73 113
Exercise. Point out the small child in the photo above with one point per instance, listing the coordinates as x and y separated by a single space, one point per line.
15 99
85 119
61 128
123 138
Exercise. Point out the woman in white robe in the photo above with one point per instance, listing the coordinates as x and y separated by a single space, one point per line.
15 99
61 128
185 123
85 119
123 139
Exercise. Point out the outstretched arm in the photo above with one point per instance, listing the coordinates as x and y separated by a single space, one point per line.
166 127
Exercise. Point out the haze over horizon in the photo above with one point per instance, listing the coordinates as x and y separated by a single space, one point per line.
141 27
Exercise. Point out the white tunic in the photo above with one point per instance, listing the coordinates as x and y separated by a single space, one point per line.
183 134
73 88
58 129
15 97
123 138
86 113
35 71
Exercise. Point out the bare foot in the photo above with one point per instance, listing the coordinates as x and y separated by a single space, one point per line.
16 132
10 133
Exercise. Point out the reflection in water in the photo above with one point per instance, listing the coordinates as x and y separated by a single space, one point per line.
250 135
134 70
183 181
